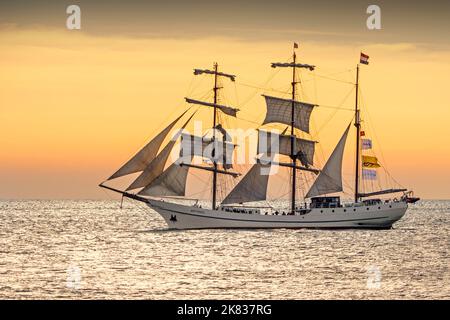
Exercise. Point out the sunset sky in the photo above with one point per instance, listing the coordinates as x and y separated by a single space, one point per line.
77 104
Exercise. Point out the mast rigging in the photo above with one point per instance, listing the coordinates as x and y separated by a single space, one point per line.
225 109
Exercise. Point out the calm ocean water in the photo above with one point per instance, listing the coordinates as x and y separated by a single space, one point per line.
94 250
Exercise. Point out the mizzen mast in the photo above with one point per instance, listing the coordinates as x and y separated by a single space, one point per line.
358 133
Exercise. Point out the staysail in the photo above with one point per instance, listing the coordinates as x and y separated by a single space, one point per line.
252 187
171 182
280 110
146 155
156 166
154 169
330 178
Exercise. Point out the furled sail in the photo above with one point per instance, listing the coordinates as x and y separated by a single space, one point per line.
216 150
201 71
293 64
280 110
330 178
156 166
146 155
252 187
172 182
380 192
225 109
304 149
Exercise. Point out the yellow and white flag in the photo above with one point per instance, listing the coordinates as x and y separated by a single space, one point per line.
370 162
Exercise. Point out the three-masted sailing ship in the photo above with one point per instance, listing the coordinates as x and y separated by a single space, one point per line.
160 185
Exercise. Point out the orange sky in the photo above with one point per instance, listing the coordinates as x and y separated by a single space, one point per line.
74 106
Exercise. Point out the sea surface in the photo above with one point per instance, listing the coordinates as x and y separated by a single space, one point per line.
95 250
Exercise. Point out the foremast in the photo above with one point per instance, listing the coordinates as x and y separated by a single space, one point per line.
227 110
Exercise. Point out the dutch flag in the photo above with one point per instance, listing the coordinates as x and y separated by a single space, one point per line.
364 59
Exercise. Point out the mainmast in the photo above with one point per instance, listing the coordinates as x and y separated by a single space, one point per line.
293 155
294 117
214 190
358 129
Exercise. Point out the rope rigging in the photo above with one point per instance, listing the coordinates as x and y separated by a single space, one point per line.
304 179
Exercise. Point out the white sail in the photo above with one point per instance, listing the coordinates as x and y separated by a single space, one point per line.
280 110
199 146
146 155
252 187
154 169
156 166
303 148
171 182
330 178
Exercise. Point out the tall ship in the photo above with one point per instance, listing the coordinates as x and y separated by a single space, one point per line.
162 183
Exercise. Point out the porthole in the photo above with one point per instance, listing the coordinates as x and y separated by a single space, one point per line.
345 210
321 211
367 208
379 208
332 210
390 206
354 209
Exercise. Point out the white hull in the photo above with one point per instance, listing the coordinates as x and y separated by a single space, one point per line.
380 216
